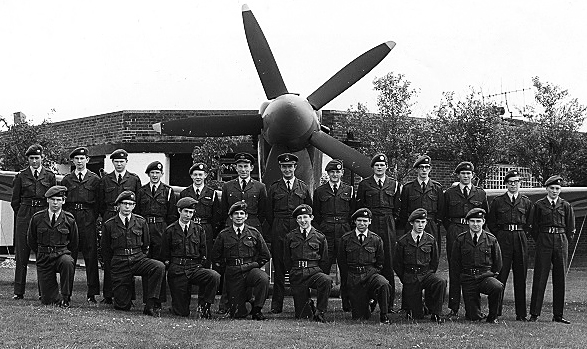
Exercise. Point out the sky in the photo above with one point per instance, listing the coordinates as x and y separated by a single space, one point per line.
69 59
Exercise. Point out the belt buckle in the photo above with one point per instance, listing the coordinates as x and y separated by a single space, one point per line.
239 261
303 264
128 251
360 269
551 230
463 221
197 220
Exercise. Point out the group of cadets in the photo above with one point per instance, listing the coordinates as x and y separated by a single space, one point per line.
220 244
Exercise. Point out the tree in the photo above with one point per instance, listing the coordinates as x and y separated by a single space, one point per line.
549 143
18 137
468 130
392 130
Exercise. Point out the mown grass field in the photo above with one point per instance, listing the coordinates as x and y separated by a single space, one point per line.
28 324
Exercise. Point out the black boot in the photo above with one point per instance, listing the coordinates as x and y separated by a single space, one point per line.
257 314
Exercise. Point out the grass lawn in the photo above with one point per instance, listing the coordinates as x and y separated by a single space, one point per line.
28 324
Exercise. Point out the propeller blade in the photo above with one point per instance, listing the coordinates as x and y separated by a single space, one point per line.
349 75
264 61
212 126
353 159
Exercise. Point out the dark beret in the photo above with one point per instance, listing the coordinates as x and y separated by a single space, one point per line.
187 202
155 165
302 209
422 160
475 213
378 158
511 174
418 213
244 157
556 180
56 190
35 149
334 164
361 213
79 151
287 158
125 195
199 166
237 206
464 166
119 154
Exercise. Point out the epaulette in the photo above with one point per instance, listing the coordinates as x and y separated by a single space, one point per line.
490 234
69 214
39 212
347 233
403 237
435 182
429 235
139 217
462 234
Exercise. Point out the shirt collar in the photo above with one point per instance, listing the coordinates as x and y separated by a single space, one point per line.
415 236
154 185
35 169
242 228
57 214
288 180
473 234
359 233
183 226
469 186
510 195
82 172
380 179
421 181
200 188
123 173
551 201
123 217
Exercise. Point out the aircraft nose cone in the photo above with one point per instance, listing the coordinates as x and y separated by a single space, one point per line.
289 120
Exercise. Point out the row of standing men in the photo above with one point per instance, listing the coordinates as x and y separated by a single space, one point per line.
89 197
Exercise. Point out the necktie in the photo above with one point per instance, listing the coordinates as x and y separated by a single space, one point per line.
475 239
423 187
304 233
198 192
238 233
465 192
335 188
126 222
553 204
53 220
80 176
513 199
288 185
381 183
153 190
361 238
119 178
36 174
185 230
417 240
243 185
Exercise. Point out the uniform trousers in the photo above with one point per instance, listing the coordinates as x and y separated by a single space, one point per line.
22 251
156 242
454 286
384 226
88 246
180 279
301 280
48 265
238 284
434 288
514 254
374 286
125 267
472 289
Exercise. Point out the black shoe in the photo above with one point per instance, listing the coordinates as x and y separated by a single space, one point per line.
436 318
151 312
64 303
521 318
384 320
205 311
561 319
453 313
17 297
259 316
106 300
372 305
92 300
533 318
492 320
319 317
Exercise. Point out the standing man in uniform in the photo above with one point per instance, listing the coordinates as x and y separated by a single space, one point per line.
381 195
415 263
82 189
185 254
156 203
284 196
111 186
423 192
508 220
53 236
361 258
244 188
333 204
241 250
458 200
28 197
305 256
125 245
553 226
476 258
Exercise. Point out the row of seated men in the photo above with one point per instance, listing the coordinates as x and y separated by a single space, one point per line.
329 214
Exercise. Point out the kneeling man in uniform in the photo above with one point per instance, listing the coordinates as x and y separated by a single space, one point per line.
476 258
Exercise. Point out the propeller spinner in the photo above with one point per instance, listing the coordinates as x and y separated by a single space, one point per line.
287 122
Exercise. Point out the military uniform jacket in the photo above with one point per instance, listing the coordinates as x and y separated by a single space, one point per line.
250 247
381 201
457 205
351 253
281 202
207 204
63 236
424 255
328 205
412 197
176 243
160 205
25 187
313 248
486 256
84 192
255 195
503 212
116 237
109 189
561 216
